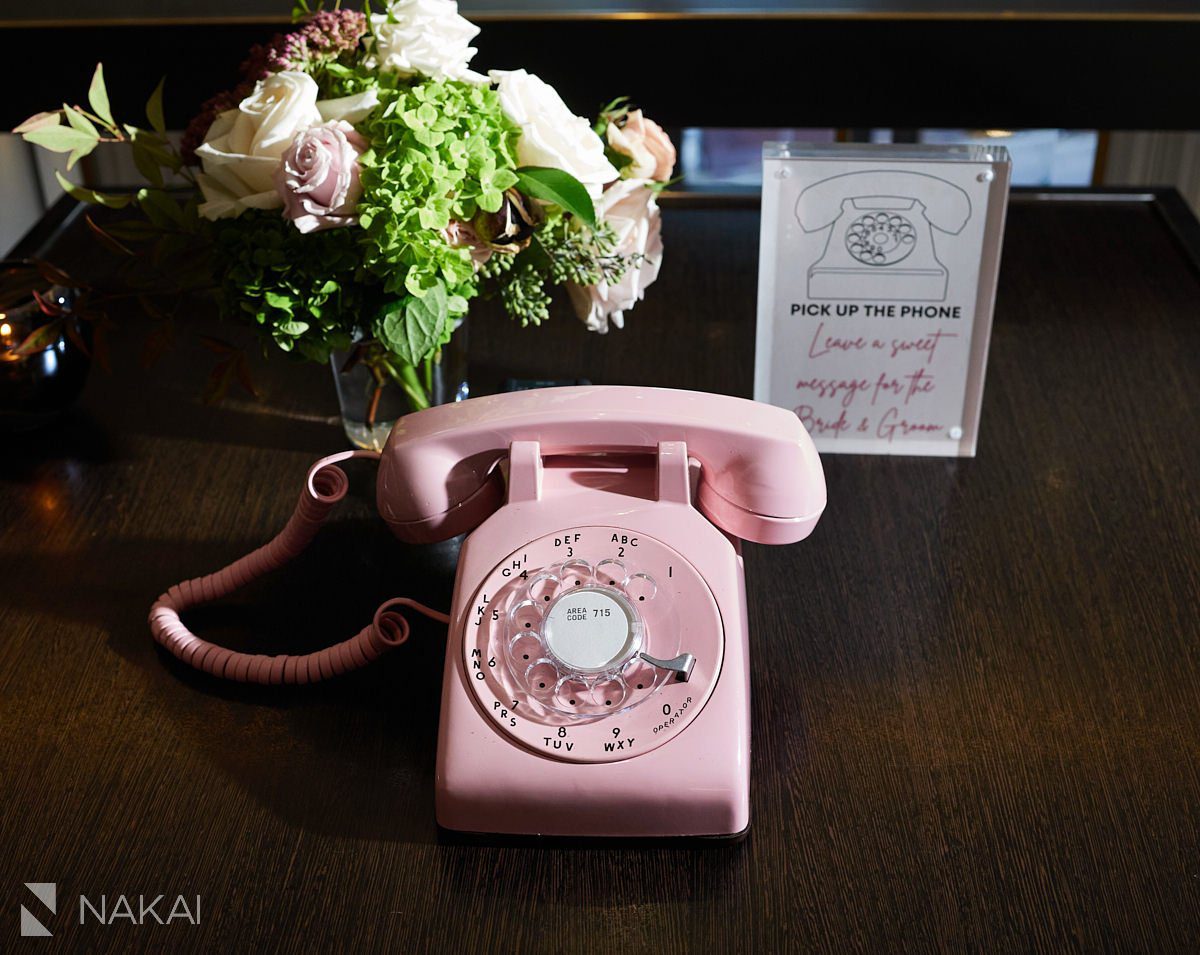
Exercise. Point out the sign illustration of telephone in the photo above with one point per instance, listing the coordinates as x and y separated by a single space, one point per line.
881 234
596 680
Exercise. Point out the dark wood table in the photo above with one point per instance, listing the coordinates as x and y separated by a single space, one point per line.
975 688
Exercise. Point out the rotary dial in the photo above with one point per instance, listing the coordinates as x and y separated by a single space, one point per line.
880 238
585 656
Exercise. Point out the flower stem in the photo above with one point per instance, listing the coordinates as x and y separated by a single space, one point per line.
376 394
417 395
406 377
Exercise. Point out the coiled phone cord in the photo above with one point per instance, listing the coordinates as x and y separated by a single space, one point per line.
325 486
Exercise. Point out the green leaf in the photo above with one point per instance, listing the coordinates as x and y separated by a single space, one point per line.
490 200
558 187
504 179
80 122
412 327
98 96
157 147
40 338
135 230
39 121
154 108
146 164
433 218
88 195
160 208
279 300
60 139
106 238
619 160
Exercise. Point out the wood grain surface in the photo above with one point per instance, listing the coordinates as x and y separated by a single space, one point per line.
974 688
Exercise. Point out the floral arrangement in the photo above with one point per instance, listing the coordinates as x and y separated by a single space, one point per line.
361 184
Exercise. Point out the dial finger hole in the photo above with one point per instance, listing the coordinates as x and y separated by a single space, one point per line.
610 572
610 694
524 648
543 588
541 678
571 693
575 573
640 676
525 617
640 587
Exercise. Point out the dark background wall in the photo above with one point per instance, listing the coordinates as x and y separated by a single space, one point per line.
1108 72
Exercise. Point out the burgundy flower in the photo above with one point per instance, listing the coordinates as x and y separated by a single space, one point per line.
325 37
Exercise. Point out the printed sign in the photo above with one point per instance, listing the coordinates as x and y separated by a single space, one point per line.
877 278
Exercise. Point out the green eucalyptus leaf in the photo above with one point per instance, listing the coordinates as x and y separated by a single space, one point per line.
98 96
558 187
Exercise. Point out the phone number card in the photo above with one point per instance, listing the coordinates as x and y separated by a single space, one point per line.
877 279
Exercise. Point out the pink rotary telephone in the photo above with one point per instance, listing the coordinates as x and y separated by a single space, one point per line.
596 679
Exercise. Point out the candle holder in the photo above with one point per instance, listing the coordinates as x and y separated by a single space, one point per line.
44 347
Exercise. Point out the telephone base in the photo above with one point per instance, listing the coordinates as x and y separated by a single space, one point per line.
492 840
892 284
693 777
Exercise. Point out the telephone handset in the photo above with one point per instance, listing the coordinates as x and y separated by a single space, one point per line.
881 244
596 678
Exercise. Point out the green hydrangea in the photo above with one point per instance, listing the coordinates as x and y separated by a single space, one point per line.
441 150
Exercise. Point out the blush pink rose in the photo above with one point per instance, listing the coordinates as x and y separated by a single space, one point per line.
318 176
646 143
629 207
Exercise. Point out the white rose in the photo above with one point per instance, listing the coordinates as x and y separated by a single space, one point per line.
244 146
551 135
632 211
425 37
348 108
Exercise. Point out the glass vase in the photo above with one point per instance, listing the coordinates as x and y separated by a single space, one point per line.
375 388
